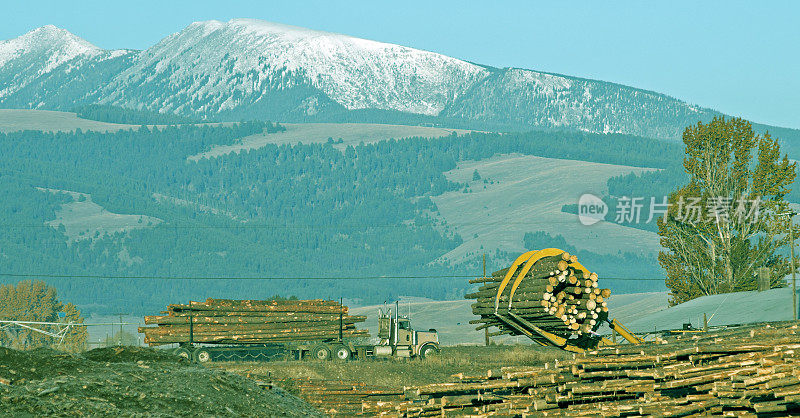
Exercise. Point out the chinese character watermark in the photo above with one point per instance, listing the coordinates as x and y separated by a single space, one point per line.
629 209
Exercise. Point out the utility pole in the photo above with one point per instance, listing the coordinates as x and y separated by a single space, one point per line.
484 265
791 254
119 335
341 318
485 330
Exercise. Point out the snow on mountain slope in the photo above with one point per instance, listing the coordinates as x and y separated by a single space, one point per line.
225 65
251 69
46 64
55 45
38 52
519 97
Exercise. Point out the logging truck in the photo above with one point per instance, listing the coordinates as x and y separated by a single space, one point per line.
231 330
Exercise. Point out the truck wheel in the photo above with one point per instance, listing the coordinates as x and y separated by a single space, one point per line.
428 350
202 355
321 352
341 352
183 352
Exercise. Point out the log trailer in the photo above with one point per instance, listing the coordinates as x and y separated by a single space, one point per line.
549 297
234 330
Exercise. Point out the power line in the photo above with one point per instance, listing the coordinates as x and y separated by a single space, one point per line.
89 276
441 276
309 226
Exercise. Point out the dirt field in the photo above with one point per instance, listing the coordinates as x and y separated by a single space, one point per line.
130 382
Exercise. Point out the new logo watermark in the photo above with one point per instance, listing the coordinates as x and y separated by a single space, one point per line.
629 210
591 209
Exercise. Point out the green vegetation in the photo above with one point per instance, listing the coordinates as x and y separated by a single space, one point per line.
728 220
35 301
656 184
298 211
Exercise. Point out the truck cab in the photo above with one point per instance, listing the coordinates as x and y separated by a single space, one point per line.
395 333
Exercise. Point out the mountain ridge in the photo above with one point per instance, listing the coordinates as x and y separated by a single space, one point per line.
252 69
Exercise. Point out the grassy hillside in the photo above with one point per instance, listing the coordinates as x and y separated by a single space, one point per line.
81 218
46 120
521 193
342 135
12 120
289 218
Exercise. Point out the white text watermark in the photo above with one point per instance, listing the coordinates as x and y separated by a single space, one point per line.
643 210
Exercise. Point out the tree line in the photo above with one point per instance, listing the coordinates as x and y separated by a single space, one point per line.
299 211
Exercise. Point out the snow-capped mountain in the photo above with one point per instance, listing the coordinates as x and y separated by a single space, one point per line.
253 69
519 98
49 44
227 65
37 53
50 67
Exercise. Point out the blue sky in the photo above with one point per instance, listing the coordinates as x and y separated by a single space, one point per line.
741 58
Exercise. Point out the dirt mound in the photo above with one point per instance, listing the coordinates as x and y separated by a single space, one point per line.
131 354
21 366
131 382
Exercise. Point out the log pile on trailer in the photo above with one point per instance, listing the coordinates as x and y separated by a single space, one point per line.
224 321
556 293
743 371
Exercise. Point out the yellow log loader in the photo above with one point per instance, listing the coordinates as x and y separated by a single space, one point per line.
547 309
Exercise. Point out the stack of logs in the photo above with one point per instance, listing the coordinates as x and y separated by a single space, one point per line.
557 295
338 398
252 321
737 372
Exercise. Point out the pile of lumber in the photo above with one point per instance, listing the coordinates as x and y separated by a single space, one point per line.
334 397
557 295
252 321
736 372
338 397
